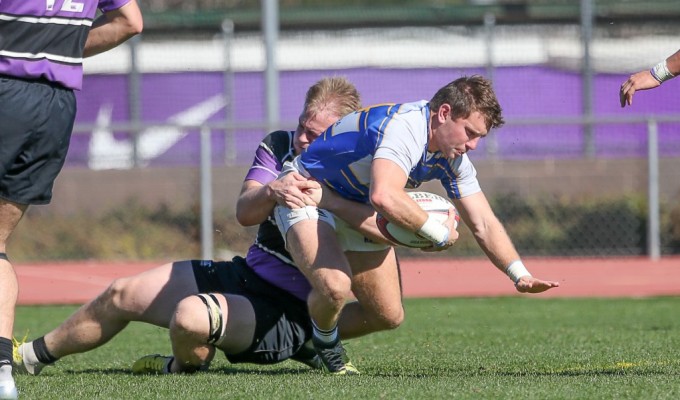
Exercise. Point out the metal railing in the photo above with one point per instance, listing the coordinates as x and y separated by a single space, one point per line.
653 250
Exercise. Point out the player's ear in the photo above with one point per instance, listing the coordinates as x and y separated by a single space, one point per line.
443 112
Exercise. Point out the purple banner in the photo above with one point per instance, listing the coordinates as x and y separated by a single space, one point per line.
196 97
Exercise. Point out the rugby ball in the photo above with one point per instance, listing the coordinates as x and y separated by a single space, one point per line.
435 205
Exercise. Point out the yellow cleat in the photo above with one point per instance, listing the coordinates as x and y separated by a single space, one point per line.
334 358
152 364
24 359
349 369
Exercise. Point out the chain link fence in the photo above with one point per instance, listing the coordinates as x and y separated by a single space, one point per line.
142 107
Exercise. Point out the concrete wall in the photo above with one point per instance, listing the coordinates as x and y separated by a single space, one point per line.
84 190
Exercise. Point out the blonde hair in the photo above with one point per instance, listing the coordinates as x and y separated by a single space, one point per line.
333 94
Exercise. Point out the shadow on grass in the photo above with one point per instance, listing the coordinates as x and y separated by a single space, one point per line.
263 371
100 371
626 370
221 370
640 370
583 372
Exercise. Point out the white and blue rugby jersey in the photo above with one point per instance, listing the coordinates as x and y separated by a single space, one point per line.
341 157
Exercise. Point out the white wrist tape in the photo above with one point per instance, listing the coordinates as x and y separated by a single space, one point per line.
516 270
434 231
660 72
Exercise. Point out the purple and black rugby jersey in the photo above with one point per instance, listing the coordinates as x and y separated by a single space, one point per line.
268 256
44 39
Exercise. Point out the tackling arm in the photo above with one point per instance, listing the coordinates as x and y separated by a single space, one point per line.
257 200
113 28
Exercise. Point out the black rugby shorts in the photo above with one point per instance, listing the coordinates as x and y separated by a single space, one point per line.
283 322
36 121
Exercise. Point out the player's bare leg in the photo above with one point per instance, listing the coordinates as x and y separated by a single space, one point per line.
10 215
200 323
198 326
330 276
327 271
375 284
150 297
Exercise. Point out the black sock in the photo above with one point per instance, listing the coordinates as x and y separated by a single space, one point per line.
5 351
41 351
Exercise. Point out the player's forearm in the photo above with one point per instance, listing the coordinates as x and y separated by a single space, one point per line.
388 197
496 244
487 229
673 63
113 28
254 205
500 250
399 208
666 69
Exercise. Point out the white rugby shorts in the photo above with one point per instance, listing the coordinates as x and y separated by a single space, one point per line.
349 239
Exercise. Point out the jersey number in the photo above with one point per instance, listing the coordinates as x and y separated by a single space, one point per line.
68 5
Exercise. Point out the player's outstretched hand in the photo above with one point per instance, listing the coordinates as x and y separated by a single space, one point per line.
529 284
295 191
642 80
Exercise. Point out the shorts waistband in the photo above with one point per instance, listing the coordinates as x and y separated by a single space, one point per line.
40 79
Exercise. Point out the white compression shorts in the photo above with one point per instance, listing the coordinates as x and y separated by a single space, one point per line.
349 238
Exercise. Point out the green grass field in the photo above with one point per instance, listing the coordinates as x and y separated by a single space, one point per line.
495 348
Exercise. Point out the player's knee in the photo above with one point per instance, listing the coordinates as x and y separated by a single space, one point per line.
115 295
337 286
391 319
190 317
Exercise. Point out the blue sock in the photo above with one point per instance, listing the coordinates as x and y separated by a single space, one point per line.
325 336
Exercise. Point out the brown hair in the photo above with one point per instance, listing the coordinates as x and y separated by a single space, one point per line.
335 94
468 94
